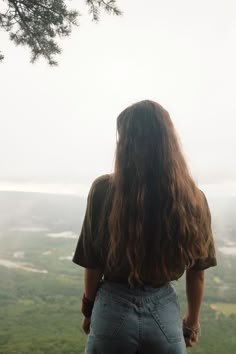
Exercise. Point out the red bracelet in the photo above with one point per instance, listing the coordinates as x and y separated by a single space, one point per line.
87 306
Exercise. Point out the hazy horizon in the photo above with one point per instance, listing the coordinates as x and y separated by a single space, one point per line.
58 124
214 190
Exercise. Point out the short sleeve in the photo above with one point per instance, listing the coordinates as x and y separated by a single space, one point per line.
210 261
85 253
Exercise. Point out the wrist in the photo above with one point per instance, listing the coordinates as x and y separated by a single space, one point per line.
191 329
88 298
190 323
191 320
87 306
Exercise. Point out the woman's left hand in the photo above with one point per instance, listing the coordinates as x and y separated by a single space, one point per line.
86 324
190 342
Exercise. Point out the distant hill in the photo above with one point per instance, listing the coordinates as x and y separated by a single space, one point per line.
57 212
223 212
60 212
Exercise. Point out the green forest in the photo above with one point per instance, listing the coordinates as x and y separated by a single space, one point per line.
40 302
40 313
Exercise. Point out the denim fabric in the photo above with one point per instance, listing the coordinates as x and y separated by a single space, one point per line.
129 320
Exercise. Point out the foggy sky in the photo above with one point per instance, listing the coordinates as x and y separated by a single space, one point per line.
58 124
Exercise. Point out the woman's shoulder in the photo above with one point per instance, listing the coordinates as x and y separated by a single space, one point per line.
202 193
100 186
204 199
101 182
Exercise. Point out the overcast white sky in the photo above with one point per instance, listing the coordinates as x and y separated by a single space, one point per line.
58 124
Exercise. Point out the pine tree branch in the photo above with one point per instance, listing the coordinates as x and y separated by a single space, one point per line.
50 9
110 7
37 23
24 24
37 28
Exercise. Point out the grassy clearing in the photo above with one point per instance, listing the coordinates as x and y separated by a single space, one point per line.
226 309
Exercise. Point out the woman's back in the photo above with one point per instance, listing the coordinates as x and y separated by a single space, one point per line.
144 226
150 219
93 246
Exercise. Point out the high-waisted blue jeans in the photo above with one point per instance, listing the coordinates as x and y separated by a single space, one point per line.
129 320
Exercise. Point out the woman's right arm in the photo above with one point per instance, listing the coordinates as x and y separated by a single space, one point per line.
194 293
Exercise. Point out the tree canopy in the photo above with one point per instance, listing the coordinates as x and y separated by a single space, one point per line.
39 24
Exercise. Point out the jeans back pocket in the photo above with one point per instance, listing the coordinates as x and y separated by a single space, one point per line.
166 313
109 314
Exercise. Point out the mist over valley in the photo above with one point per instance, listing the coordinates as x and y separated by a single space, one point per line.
41 288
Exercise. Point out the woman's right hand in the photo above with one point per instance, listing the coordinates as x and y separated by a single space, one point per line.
194 292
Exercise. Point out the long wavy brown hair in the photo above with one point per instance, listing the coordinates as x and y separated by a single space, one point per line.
158 219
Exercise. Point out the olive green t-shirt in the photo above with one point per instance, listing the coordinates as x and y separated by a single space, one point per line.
88 254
